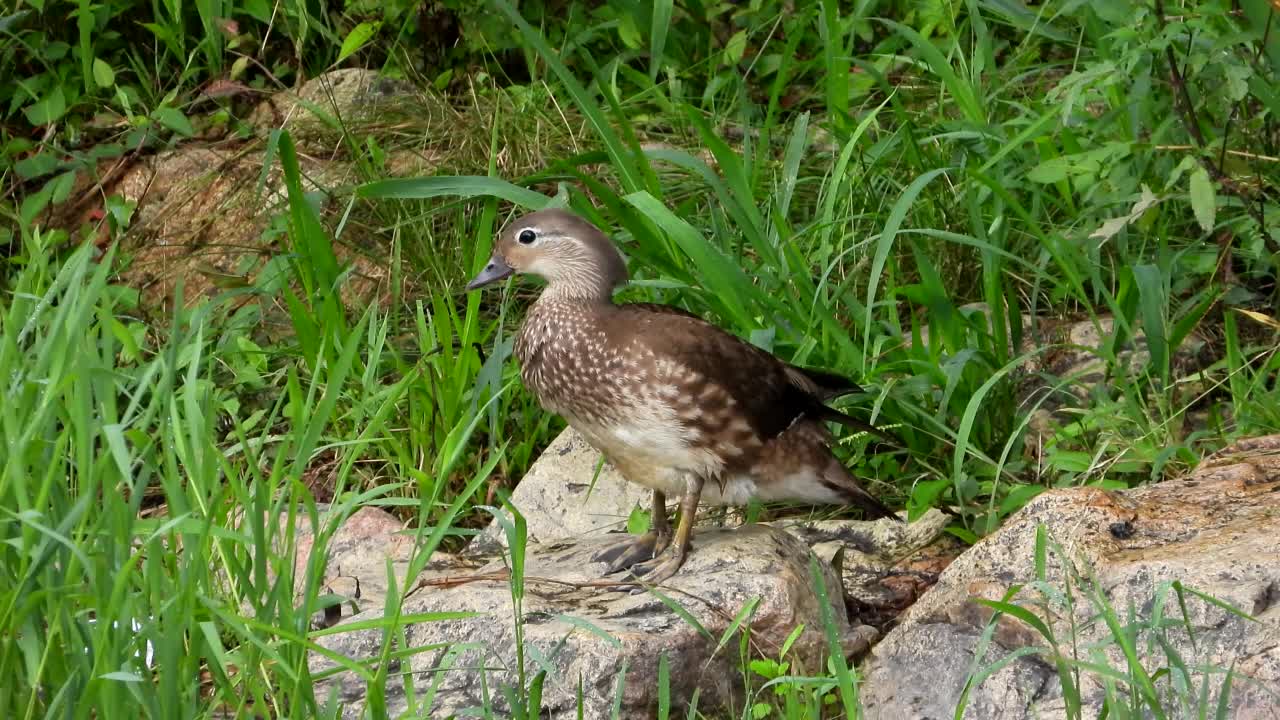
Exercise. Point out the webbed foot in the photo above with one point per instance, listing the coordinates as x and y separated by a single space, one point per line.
660 569
632 551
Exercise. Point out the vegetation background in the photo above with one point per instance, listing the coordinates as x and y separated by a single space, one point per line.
838 182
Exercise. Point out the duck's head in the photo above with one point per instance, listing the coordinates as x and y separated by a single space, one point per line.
571 254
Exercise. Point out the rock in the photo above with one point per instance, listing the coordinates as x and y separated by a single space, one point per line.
1214 531
358 551
591 633
559 498
203 220
208 215
356 557
886 565
328 101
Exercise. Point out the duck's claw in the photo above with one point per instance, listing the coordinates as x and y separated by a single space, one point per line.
627 553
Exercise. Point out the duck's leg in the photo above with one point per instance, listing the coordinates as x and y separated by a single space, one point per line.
658 523
662 568
628 552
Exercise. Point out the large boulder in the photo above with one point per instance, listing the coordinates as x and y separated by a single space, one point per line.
568 493
1216 532
590 632
579 623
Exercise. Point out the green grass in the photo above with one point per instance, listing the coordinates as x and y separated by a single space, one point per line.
832 184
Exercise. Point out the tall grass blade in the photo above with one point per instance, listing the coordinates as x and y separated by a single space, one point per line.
658 36
462 186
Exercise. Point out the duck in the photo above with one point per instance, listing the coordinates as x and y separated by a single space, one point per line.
674 402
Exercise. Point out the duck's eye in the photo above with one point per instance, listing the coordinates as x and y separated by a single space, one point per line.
527 236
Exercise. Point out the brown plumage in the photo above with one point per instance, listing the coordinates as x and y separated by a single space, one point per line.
675 403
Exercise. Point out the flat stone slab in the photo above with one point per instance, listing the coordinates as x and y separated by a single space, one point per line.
587 634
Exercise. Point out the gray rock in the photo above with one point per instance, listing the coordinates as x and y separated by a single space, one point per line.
329 100
884 565
1215 531
357 552
562 497
357 555
585 632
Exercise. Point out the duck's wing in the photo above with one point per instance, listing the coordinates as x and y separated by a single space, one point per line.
815 381
770 393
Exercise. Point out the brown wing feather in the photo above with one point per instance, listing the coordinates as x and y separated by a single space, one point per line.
822 383
770 393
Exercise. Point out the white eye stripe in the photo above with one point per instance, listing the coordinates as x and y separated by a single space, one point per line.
539 235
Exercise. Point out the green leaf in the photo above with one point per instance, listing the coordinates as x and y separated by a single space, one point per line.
173 119
259 10
1050 171
120 209
8 22
48 108
61 187
722 277
628 33
1154 297
961 88
442 80
103 75
892 224
42 163
664 687
1113 226
638 521
835 61
735 48
239 66
1203 202
357 38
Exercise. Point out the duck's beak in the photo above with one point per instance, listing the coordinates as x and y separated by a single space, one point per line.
496 270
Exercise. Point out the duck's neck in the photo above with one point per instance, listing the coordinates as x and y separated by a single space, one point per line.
559 307
578 293
555 342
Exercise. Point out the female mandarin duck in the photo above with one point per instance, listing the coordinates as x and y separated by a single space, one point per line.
675 403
